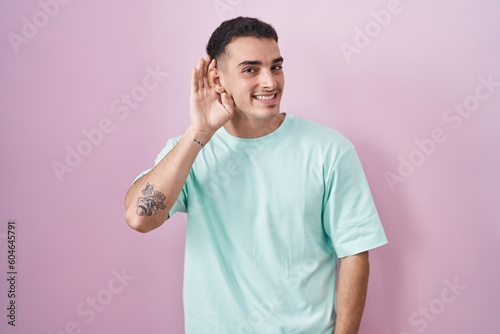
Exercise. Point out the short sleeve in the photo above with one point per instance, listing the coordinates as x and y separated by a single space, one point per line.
350 218
180 203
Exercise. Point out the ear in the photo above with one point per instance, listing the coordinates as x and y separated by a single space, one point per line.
214 78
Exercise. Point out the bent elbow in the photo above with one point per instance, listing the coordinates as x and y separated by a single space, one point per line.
135 222
142 224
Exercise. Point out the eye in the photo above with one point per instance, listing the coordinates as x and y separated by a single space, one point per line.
277 68
248 70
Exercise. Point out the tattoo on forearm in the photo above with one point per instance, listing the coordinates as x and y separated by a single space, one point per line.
153 200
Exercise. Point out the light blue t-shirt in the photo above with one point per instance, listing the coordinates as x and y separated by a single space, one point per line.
267 220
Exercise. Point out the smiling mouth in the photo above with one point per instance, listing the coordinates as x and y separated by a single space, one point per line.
265 97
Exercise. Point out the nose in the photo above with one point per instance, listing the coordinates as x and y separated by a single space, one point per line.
267 80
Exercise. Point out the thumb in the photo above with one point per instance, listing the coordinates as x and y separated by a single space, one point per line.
227 102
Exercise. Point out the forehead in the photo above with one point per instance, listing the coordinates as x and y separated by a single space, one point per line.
254 49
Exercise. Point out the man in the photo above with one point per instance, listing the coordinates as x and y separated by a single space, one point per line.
274 202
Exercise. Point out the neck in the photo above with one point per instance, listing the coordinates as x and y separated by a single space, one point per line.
242 127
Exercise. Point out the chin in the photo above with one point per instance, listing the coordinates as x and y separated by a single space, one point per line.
260 112
265 113
268 111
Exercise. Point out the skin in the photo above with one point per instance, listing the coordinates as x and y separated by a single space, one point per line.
351 292
251 67
225 96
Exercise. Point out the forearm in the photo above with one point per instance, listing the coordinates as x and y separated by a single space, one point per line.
147 210
149 200
351 293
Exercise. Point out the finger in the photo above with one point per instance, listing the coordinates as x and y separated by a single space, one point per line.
194 81
201 66
206 63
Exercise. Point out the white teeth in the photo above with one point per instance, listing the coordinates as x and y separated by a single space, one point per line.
264 98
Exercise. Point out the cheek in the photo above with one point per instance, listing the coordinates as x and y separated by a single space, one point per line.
239 92
240 89
281 80
241 99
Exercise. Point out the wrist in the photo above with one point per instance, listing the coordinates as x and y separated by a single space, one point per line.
200 138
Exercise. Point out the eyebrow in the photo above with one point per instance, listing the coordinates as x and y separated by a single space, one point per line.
258 62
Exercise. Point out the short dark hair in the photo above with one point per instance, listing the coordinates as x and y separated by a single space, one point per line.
234 28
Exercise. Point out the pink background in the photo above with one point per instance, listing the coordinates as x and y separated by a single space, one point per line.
442 221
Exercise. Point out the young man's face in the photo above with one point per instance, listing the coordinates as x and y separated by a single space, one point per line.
252 75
